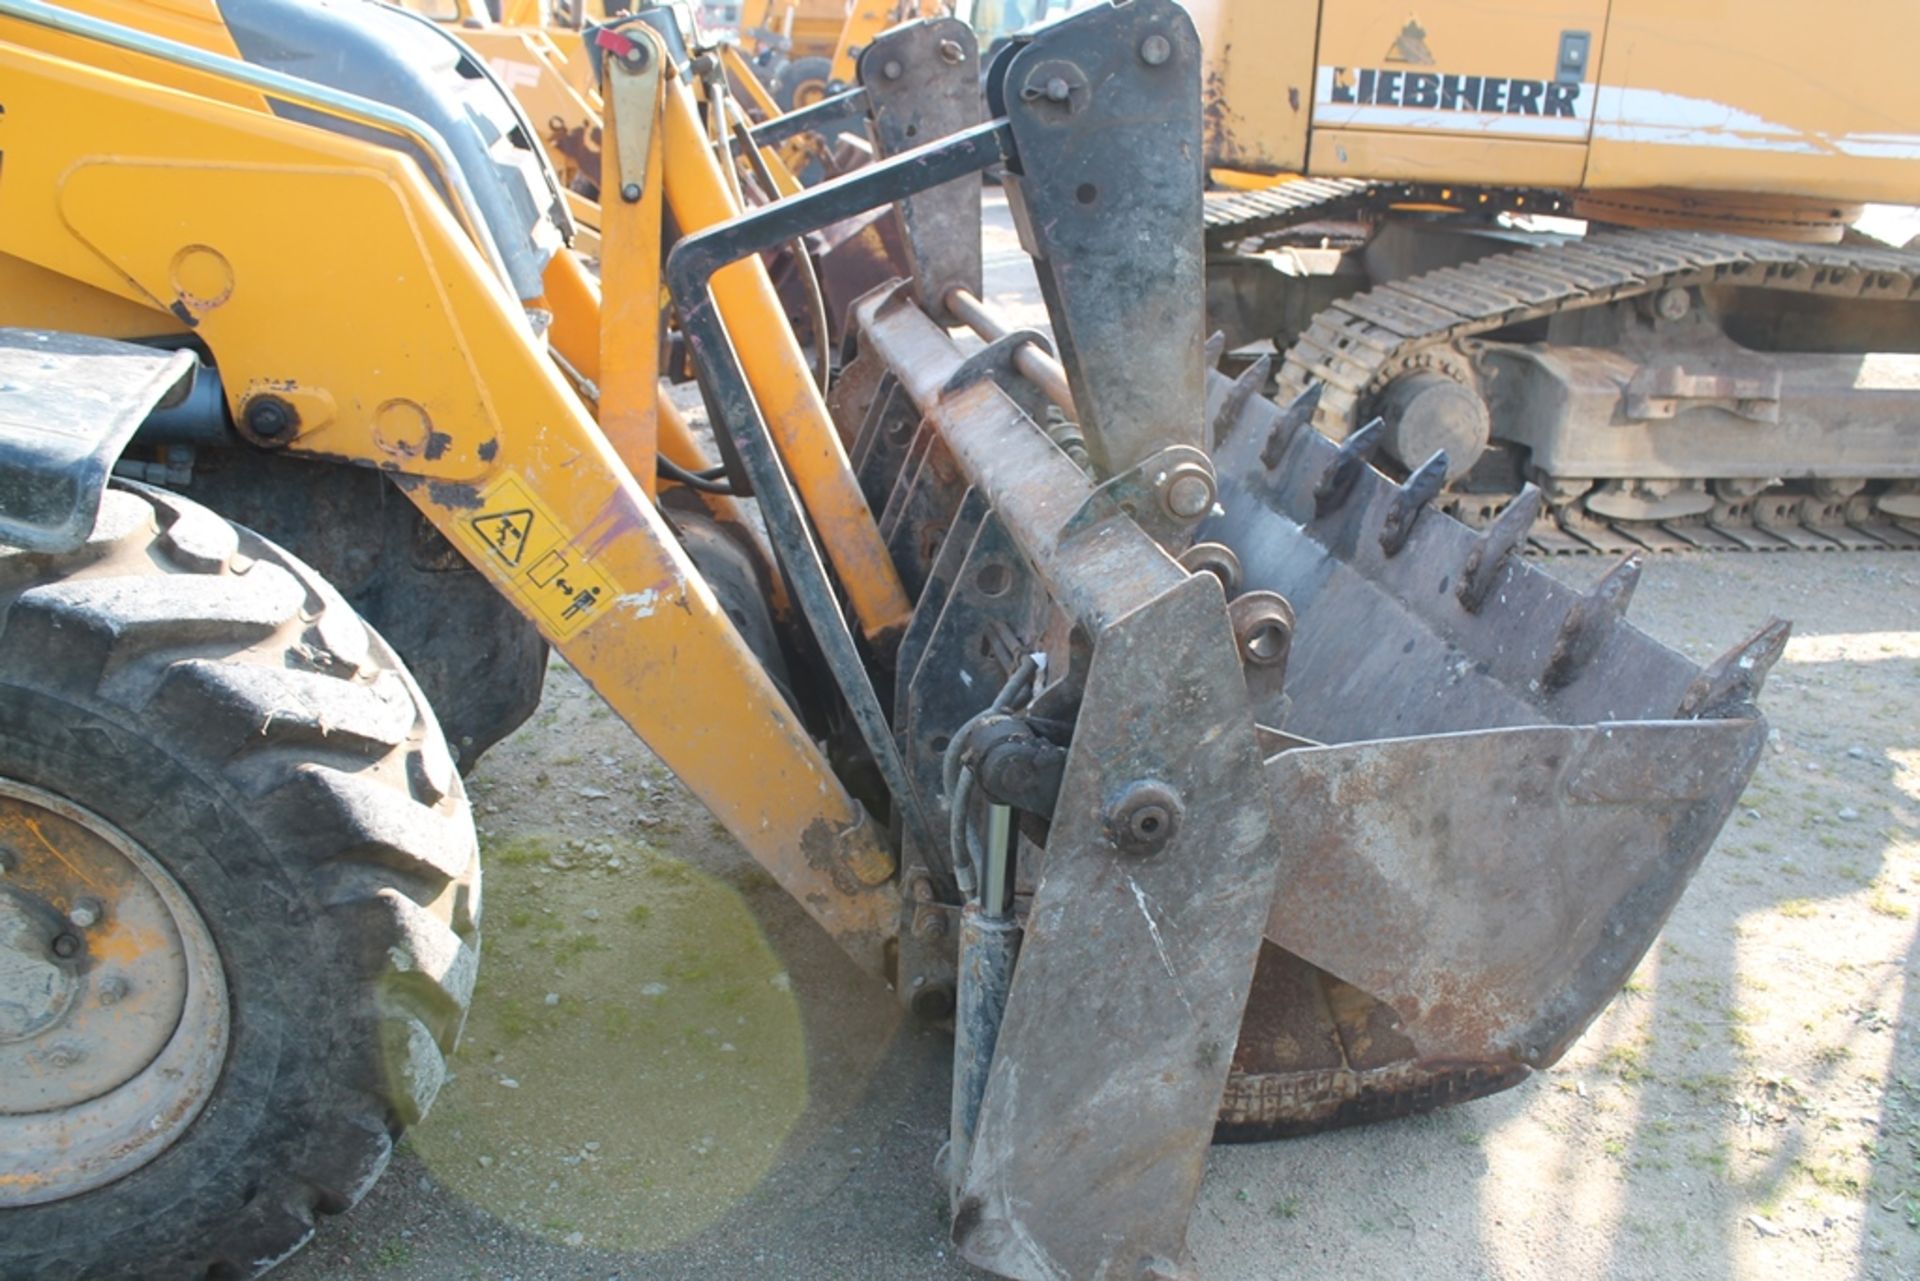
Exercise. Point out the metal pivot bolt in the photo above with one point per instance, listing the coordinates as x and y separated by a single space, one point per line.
1187 492
85 914
951 53
66 946
891 70
113 990
1145 818
630 192
1059 82
1155 49
270 417
635 55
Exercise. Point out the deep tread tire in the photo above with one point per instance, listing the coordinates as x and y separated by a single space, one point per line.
790 80
221 704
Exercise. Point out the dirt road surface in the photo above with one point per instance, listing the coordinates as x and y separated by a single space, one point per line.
669 1073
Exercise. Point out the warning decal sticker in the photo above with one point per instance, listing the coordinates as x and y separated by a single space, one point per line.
515 530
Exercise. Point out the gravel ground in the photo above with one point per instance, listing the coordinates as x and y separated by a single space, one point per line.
669 1073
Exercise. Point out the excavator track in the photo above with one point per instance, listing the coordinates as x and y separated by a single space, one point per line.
1358 344
1235 217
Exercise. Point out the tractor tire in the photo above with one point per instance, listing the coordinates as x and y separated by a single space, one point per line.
239 900
801 82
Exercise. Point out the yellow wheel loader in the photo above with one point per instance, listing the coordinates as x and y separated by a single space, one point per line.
1714 361
1208 781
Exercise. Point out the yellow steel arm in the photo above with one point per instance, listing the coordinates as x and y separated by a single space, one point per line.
393 345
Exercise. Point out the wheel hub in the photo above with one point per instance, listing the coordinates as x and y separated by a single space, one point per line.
113 1008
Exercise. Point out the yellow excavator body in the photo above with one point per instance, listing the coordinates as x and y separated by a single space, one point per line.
1773 98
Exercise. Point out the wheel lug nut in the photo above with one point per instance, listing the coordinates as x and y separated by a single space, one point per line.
113 990
85 913
65 946
64 1056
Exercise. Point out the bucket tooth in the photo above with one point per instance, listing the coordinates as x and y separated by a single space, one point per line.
1337 481
1410 499
1234 403
1588 621
1495 544
1216 347
1298 413
1731 684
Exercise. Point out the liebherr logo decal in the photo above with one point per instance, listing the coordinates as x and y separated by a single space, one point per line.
1489 94
1497 106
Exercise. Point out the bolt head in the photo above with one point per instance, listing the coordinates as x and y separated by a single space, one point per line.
1155 49
630 192
269 417
113 989
1058 90
85 914
951 53
1145 818
892 70
635 54
64 1056
1189 496
66 946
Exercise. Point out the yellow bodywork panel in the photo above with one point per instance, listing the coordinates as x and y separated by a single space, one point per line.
325 272
1259 81
1771 97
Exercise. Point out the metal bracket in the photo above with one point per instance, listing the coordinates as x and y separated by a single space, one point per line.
923 81
1166 495
1105 188
632 80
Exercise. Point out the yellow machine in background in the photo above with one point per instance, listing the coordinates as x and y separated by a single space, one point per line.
1086 699
1664 390
805 49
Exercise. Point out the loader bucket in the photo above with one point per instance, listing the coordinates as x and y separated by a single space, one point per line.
1236 790
1490 794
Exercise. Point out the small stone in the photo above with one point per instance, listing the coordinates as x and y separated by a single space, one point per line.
726 1047
553 998
559 862
486 1163
508 1083
593 794
1849 815
1753 813
614 864
1765 1227
591 914
592 1145
781 982
653 989
1813 767
1858 753
575 1240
